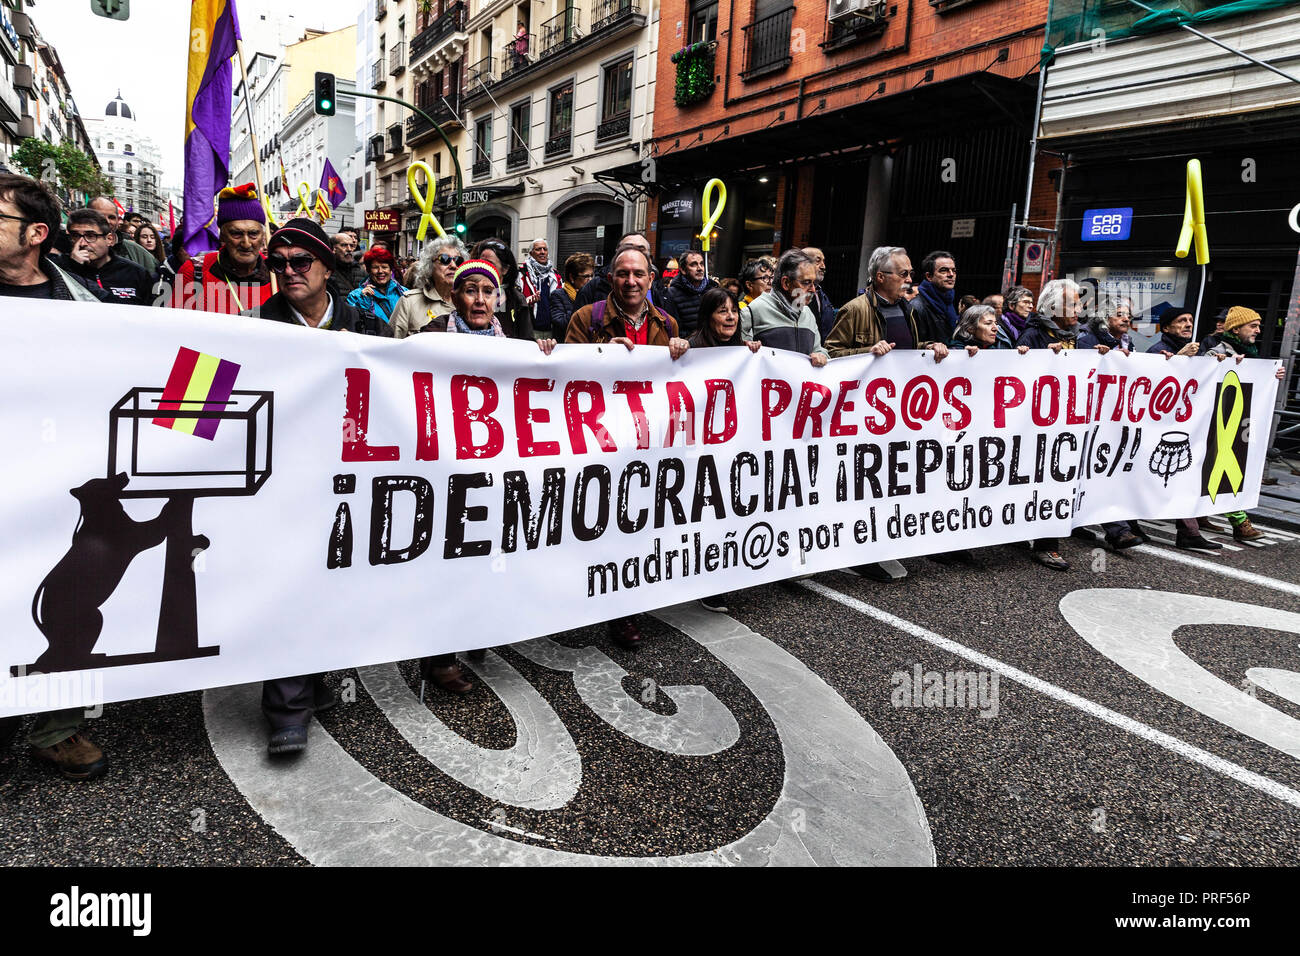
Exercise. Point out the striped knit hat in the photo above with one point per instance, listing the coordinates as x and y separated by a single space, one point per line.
239 202
476 267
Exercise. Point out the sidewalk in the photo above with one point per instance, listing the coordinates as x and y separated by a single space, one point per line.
1280 503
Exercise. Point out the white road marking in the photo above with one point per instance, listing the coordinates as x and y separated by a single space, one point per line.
1173 744
1227 570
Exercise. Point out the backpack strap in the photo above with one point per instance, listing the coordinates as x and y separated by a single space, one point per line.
597 317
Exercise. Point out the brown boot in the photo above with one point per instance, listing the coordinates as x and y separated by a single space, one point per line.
1246 532
449 677
77 758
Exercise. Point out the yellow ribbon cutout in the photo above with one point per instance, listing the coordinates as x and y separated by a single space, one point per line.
1194 218
1225 433
424 200
304 196
270 216
711 215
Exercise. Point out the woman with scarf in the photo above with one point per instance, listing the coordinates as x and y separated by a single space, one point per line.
1017 307
428 301
979 329
474 297
379 294
514 314
578 270
1110 326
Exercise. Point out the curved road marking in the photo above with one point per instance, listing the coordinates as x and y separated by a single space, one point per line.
1172 744
542 771
845 799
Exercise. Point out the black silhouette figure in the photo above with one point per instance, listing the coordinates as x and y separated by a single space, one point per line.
67 604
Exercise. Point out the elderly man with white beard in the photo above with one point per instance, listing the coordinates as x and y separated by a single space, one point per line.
781 317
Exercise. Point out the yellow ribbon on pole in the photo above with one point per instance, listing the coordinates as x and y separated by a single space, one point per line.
304 199
1225 434
270 216
1194 218
424 200
711 215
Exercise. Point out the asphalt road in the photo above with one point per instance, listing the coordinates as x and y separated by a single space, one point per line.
788 731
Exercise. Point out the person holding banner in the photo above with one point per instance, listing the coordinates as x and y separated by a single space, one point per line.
1110 326
879 320
379 294
513 312
627 318
235 277
427 303
29 220
782 318
1017 307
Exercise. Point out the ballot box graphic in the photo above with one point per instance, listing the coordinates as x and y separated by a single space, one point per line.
194 437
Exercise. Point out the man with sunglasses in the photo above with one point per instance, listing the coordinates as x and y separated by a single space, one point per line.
427 303
29 220
235 277
94 261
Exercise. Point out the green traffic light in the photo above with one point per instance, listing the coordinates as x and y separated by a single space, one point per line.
325 104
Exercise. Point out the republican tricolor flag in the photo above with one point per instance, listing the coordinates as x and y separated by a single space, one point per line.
197 383
214 30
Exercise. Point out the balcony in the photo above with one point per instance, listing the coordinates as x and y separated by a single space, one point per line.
605 13
614 128
397 59
518 54
452 21
24 77
561 30
377 75
559 144
482 167
395 138
767 44
375 149
381 9
517 157
418 128
482 71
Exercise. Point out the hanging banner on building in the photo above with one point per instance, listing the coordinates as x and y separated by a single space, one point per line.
222 500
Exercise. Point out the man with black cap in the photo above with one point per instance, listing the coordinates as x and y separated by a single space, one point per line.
299 253
234 278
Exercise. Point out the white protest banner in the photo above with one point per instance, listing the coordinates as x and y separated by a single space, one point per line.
325 500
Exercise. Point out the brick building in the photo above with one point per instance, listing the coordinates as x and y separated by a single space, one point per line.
847 125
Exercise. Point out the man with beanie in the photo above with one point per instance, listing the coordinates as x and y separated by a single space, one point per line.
1241 327
935 305
235 277
300 254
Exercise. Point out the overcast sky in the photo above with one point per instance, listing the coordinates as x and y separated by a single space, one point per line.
146 55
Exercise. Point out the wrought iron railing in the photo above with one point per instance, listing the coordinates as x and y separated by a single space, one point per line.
397 58
482 167
605 13
561 30
517 157
395 138
377 75
559 144
767 43
518 54
481 71
453 20
614 127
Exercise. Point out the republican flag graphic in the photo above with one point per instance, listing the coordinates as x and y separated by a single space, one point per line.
198 382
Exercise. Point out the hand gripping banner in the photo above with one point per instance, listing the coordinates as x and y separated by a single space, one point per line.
221 500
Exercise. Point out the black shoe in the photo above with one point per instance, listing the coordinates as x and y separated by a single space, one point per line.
625 633
1194 542
1138 533
1085 535
1122 542
8 731
290 740
478 655
876 572
717 602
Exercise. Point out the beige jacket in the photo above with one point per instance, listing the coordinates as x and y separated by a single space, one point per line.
416 309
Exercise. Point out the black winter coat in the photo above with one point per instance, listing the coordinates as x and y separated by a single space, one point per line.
346 318
684 303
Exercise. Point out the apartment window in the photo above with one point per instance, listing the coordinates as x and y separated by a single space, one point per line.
483 147
615 99
128 167
110 146
110 166
704 21
559 137
128 148
520 124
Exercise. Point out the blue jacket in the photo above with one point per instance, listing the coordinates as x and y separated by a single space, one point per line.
381 302
1089 339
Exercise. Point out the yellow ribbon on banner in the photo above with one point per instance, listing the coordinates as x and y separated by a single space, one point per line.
1194 218
424 200
711 216
1225 433
304 199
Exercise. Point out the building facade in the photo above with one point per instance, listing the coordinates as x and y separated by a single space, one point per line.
129 157
848 124
307 140
387 154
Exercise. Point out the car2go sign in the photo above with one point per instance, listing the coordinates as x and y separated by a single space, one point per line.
1107 224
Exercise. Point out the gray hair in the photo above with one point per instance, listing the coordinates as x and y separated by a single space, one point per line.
882 257
970 320
1108 304
1014 295
424 270
787 267
750 270
542 240
1051 300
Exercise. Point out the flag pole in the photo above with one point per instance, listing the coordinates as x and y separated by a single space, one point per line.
252 137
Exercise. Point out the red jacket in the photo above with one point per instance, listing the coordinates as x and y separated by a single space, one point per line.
218 295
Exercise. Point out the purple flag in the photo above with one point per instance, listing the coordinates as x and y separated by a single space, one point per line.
332 183
214 28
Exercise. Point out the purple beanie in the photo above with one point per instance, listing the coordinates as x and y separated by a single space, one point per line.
239 202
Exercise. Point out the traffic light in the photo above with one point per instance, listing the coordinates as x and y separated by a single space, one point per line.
325 94
460 220
113 9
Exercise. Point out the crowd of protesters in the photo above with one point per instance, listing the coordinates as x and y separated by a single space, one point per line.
301 276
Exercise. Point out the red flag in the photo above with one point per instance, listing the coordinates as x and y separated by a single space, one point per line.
171 215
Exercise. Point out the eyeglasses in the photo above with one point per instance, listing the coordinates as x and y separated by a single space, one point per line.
87 236
904 274
447 260
4 215
300 263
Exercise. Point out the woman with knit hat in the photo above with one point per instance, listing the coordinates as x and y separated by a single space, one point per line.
474 297
1241 328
